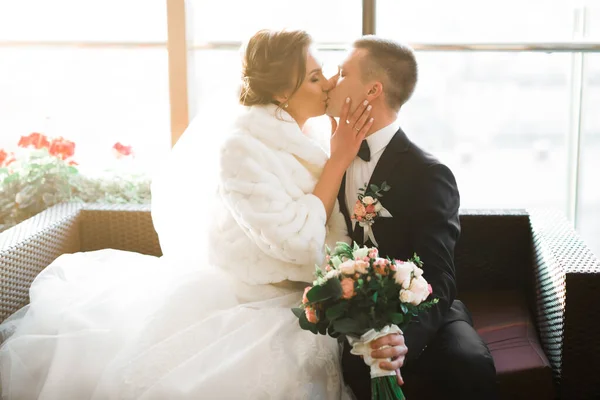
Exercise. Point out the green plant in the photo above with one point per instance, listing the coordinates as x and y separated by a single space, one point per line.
44 174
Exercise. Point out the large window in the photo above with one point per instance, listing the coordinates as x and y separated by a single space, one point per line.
92 72
506 119
499 120
588 216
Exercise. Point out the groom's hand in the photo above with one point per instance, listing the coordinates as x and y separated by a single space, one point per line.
397 351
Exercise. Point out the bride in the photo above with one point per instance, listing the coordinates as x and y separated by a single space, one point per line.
206 320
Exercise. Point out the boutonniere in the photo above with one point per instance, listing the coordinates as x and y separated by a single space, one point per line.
368 208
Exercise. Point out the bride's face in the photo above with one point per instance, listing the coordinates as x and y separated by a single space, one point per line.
310 100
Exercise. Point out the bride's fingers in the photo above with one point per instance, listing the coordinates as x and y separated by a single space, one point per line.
362 133
358 112
363 119
345 111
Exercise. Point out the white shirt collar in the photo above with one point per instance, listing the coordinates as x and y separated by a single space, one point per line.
378 141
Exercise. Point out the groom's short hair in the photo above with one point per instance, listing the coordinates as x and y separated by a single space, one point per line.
391 62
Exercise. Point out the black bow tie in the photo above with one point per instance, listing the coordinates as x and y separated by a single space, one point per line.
364 152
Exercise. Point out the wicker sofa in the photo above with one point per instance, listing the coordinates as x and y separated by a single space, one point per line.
514 270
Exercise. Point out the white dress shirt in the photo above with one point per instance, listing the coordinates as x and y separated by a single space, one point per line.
360 171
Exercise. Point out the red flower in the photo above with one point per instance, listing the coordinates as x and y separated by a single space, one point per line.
62 148
35 139
121 150
6 158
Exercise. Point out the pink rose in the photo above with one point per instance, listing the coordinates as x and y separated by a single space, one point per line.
311 315
359 210
347 288
373 253
370 209
380 269
430 288
304 298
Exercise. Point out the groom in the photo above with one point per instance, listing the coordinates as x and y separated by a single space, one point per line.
444 351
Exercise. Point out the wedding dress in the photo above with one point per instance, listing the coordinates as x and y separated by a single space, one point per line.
211 318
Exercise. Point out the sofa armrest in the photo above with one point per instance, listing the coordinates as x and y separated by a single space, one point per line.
123 226
568 325
27 248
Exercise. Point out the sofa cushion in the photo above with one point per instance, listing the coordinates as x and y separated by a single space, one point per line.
503 320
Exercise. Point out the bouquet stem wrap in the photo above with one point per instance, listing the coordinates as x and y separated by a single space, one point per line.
383 382
362 347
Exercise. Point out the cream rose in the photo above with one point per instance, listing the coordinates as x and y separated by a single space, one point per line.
420 288
418 272
347 267
403 274
361 266
368 200
406 296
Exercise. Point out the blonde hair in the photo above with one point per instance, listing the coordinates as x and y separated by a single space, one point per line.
270 62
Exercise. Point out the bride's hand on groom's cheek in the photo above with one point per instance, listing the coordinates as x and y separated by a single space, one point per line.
397 351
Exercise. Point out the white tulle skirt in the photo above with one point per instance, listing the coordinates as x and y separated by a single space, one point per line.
118 325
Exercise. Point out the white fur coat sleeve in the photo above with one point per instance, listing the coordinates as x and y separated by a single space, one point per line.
261 189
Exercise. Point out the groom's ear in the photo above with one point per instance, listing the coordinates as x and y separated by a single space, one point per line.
374 91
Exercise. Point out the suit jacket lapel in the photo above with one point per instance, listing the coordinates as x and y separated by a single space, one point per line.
343 207
399 144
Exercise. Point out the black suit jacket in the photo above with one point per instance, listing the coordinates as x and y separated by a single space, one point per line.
424 202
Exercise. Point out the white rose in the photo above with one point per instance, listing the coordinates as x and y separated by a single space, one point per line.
347 267
403 274
418 272
361 252
406 296
420 288
378 207
334 273
368 200
361 266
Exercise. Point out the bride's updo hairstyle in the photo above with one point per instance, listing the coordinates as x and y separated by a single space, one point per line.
272 60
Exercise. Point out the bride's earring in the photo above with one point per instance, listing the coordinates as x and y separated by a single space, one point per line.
285 105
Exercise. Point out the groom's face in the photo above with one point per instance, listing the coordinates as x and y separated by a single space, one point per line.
348 83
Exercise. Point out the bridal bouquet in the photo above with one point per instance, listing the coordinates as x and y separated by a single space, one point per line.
362 297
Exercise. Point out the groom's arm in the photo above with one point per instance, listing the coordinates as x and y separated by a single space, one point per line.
435 228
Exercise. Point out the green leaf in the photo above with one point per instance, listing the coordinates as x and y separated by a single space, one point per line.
375 297
404 308
346 326
304 324
336 311
396 318
332 289
374 188
332 332
298 312
322 327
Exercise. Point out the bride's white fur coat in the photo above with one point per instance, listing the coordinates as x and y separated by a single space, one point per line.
273 228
